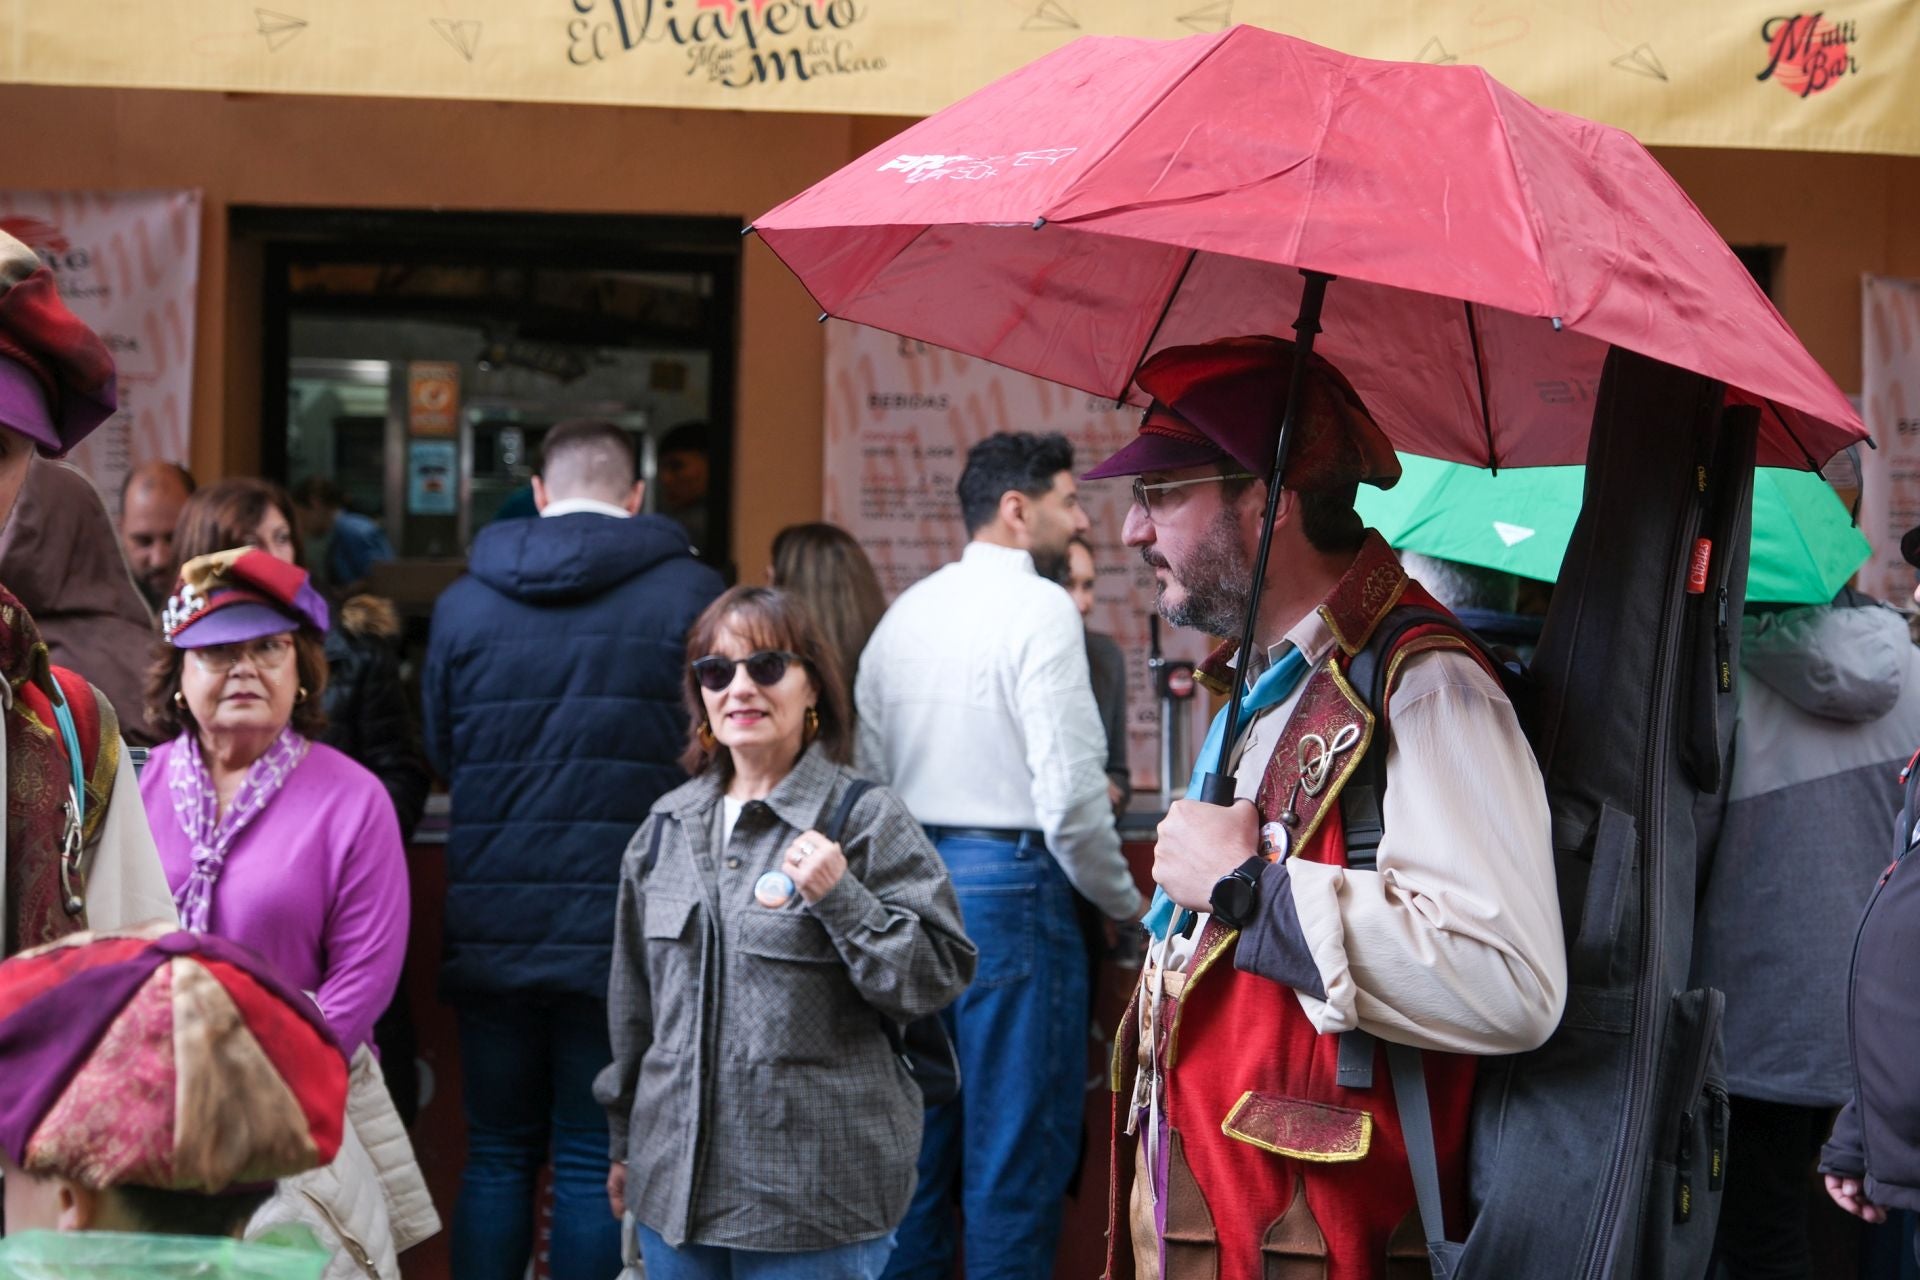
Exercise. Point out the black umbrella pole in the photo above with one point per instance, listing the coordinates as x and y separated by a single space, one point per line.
1217 787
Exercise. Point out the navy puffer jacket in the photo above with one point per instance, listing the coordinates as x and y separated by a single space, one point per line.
553 708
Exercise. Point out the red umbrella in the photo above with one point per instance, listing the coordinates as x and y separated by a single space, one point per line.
1122 195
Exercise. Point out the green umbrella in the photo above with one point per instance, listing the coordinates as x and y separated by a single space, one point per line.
1804 542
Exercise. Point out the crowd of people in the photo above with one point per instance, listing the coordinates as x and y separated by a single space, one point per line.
769 909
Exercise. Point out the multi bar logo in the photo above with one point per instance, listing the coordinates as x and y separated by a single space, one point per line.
1806 54
735 44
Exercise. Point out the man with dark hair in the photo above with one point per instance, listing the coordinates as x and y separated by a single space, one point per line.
354 543
976 708
1313 916
552 699
150 502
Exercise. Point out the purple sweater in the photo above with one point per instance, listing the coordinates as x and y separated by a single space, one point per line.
317 884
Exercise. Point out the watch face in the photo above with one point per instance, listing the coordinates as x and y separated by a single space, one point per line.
1232 899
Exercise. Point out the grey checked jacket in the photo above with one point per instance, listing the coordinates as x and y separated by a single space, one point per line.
753 1093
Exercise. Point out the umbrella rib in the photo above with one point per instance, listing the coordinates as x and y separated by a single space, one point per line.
1159 320
1480 376
1781 418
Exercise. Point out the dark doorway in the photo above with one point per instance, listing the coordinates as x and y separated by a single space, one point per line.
415 359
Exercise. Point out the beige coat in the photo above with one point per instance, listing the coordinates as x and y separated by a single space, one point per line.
371 1204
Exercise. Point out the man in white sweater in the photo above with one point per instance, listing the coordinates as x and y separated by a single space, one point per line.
976 708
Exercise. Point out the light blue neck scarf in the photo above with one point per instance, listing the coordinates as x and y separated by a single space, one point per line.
1273 687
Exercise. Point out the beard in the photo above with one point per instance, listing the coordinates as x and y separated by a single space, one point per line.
1050 562
1216 576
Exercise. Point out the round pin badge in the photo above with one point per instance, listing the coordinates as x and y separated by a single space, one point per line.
774 889
1275 840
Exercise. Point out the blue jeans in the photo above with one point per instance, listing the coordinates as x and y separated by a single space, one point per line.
861 1261
527 1064
1002 1154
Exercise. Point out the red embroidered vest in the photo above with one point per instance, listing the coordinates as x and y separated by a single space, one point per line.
1276 1172
39 777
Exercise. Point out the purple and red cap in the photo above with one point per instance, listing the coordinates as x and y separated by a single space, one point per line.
230 597
160 1058
1220 402
56 376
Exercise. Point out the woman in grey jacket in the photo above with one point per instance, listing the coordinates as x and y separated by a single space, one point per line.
755 1100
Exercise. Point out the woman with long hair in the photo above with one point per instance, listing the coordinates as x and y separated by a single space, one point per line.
825 568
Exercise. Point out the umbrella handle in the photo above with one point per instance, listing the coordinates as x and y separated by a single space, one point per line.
1217 786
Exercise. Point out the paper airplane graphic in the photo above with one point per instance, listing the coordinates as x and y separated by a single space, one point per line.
278 28
1436 53
1217 16
1512 534
462 34
1642 62
1050 15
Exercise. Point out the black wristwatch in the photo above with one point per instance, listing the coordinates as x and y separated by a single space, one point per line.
1237 893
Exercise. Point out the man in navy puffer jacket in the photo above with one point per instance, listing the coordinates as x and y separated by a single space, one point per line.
553 707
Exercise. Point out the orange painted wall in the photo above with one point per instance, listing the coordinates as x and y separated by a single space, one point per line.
1837 216
256 149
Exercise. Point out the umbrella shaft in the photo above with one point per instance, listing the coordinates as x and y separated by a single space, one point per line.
1217 786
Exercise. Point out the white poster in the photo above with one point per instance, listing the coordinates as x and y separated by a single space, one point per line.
900 417
1890 395
128 264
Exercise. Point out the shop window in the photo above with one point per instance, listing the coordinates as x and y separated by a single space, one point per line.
414 361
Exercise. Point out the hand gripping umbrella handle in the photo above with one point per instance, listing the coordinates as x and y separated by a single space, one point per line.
1217 786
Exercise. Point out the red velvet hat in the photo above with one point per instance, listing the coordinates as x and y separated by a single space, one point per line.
1221 401
56 376
165 1059
243 594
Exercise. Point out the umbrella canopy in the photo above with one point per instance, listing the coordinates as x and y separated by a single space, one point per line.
1804 547
1123 195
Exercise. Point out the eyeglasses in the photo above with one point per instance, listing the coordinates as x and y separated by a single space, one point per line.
769 666
268 653
1143 493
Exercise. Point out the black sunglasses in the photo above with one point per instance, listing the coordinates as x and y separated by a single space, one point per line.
769 666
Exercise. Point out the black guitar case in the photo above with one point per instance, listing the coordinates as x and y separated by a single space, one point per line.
1601 1154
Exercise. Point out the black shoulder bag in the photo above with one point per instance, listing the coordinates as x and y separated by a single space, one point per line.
923 1044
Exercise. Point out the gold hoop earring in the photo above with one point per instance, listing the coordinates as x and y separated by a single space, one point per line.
705 734
812 724
301 696
179 700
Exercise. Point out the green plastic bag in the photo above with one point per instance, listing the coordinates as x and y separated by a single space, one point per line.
116 1255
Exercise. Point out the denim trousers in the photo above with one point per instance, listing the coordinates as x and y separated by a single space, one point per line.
527 1064
1000 1156
861 1261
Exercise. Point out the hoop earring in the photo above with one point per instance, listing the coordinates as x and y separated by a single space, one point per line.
812 724
179 700
705 735
302 695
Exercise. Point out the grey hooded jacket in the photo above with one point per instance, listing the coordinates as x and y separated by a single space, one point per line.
1829 711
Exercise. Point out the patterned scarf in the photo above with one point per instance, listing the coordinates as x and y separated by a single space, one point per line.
197 806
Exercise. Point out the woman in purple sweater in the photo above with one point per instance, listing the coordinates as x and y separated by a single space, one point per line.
268 837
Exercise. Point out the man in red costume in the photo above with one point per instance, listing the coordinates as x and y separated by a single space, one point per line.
1268 1136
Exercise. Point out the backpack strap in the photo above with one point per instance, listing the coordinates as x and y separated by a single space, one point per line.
844 810
1369 673
1363 826
1361 823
